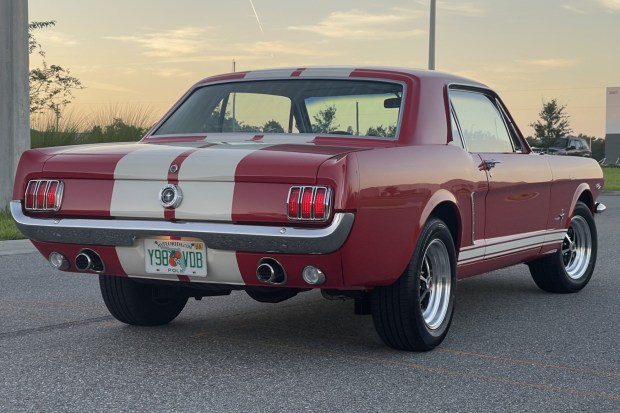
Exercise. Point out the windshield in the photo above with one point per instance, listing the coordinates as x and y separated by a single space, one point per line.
343 107
560 143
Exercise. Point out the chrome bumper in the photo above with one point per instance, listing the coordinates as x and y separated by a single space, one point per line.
223 236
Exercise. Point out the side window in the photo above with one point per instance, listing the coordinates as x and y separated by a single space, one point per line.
481 122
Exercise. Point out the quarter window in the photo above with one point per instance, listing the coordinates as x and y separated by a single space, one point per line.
482 125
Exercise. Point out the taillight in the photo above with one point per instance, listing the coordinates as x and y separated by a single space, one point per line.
309 203
43 195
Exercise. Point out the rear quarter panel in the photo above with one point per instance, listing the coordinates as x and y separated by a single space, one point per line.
398 188
573 177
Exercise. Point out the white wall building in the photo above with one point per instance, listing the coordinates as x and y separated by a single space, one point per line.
612 129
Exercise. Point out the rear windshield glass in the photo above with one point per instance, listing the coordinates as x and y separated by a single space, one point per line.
343 107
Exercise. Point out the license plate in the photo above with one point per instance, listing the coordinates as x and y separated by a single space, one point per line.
175 257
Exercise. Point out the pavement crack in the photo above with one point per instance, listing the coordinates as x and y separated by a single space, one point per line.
44 329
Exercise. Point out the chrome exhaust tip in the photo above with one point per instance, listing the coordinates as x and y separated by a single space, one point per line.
269 271
89 260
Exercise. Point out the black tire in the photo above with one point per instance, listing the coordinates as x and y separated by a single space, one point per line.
571 267
139 304
414 314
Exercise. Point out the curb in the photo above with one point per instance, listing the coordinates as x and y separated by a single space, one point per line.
15 247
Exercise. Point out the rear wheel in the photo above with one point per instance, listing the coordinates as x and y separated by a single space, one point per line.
135 303
571 267
415 312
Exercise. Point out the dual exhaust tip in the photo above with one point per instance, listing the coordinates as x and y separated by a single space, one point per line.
269 271
89 260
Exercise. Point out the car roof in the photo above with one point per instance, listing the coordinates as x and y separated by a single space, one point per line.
343 72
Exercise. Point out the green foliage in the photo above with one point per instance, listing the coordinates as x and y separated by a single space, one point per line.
382 131
114 124
553 123
324 119
117 131
273 126
8 230
51 86
612 178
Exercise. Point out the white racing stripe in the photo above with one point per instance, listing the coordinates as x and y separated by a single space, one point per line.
269 74
138 178
498 247
206 178
327 72
216 163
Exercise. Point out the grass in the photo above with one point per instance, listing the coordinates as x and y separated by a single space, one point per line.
612 178
8 230
116 123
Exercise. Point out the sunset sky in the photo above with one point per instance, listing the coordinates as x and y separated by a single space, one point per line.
146 53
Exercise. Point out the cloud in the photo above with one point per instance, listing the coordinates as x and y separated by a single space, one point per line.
611 5
169 43
549 63
58 38
467 8
171 72
108 86
362 25
270 48
574 9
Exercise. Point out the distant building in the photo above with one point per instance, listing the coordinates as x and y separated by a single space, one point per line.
612 129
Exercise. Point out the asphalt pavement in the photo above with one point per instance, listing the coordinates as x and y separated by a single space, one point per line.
511 348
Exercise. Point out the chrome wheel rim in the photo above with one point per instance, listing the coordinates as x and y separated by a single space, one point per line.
435 284
577 248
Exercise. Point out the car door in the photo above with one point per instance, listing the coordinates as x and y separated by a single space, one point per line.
517 201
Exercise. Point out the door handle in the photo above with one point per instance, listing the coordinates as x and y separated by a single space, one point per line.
488 164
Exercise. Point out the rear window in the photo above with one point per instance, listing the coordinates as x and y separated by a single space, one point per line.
343 107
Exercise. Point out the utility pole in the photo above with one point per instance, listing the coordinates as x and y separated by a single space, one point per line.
14 96
431 37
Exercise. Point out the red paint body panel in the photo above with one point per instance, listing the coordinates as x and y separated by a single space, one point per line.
70 251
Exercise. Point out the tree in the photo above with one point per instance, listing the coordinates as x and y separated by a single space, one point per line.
273 126
382 131
553 123
324 119
51 86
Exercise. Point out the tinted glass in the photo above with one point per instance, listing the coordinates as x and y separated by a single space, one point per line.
481 123
345 107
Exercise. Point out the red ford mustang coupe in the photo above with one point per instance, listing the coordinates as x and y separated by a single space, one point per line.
380 185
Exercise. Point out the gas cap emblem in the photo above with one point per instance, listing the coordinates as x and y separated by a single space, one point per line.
170 196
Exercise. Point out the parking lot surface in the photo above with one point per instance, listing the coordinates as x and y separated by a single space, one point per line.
511 348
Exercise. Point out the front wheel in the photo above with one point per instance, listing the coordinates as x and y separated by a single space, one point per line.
571 267
139 304
415 312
